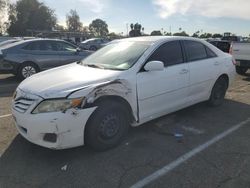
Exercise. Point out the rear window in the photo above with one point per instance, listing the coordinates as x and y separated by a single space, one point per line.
210 53
39 45
195 50
224 46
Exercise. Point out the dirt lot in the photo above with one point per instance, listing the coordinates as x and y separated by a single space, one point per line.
145 150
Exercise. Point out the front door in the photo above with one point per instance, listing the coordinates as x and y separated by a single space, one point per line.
68 53
162 92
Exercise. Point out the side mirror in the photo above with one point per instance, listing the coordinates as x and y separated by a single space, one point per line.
154 66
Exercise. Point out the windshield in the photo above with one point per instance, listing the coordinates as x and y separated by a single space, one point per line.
117 56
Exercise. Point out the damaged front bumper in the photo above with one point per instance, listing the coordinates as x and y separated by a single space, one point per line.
55 130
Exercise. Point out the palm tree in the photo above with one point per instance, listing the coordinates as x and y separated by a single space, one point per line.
132 26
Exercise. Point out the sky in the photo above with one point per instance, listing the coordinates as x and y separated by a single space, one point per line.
214 16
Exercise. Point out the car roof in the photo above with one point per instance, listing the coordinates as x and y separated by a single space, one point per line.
151 40
220 41
159 39
30 40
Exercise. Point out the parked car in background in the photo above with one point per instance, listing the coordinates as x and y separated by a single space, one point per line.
241 52
27 57
232 38
223 45
93 44
94 102
6 42
5 38
70 41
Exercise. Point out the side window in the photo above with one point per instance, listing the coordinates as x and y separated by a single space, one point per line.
45 46
39 45
97 41
195 50
169 53
210 53
32 46
62 46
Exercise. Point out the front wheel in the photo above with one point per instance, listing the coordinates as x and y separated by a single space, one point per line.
218 92
107 126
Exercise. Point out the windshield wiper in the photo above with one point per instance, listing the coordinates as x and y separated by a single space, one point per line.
94 66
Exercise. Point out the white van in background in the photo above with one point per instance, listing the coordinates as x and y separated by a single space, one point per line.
241 53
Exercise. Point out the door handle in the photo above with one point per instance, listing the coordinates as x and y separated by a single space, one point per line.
216 63
184 71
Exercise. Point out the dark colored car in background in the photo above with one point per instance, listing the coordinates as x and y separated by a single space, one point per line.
27 57
232 38
223 45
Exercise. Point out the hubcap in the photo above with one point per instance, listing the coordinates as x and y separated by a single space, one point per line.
109 126
28 71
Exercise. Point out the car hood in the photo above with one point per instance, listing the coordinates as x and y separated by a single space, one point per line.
62 81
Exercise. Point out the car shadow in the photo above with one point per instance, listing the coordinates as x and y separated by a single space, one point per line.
145 149
247 77
8 84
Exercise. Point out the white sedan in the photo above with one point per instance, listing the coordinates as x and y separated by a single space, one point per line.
127 83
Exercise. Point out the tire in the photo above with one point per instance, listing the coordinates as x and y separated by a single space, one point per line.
92 48
241 70
218 92
26 70
107 126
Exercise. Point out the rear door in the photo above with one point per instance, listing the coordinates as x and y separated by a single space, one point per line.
42 53
161 92
204 67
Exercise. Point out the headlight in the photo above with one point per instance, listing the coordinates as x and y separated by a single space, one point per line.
57 105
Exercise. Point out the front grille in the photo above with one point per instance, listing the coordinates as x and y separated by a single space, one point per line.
23 104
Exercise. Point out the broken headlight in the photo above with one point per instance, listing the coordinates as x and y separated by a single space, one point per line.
57 105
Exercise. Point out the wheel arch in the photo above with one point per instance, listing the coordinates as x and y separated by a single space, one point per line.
112 98
28 62
118 99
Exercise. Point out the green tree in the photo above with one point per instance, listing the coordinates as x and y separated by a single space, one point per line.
59 27
206 35
99 28
183 33
217 35
196 34
73 21
135 30
114 35
3 10
27 15
156 33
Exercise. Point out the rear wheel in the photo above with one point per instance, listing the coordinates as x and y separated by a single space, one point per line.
218 92
107 126
241 70
26 70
